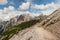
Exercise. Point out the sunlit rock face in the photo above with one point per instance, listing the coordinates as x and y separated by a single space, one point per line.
15 21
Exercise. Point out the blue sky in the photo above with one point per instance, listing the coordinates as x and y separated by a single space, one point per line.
19 2
13 7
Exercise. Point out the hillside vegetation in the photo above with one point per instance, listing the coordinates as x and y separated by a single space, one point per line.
14 30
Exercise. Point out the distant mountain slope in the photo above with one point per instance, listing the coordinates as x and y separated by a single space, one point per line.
15 21
1 25
21 24
27 24
9 33
19 19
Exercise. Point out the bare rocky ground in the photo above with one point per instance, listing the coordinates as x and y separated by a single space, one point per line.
34 33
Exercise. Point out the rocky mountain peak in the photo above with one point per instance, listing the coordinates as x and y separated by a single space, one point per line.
16 20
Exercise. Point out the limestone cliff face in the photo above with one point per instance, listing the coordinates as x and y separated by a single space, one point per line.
16 20
48 29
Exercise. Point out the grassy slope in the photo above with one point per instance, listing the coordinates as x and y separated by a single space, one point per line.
14 30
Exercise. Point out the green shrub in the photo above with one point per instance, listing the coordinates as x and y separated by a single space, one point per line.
9 33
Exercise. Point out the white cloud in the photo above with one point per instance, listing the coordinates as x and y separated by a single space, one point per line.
31 14
10 8
9 15
1 11
8 12
12 3
47 12
42 6
6 18
46 9
3 2
24 6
